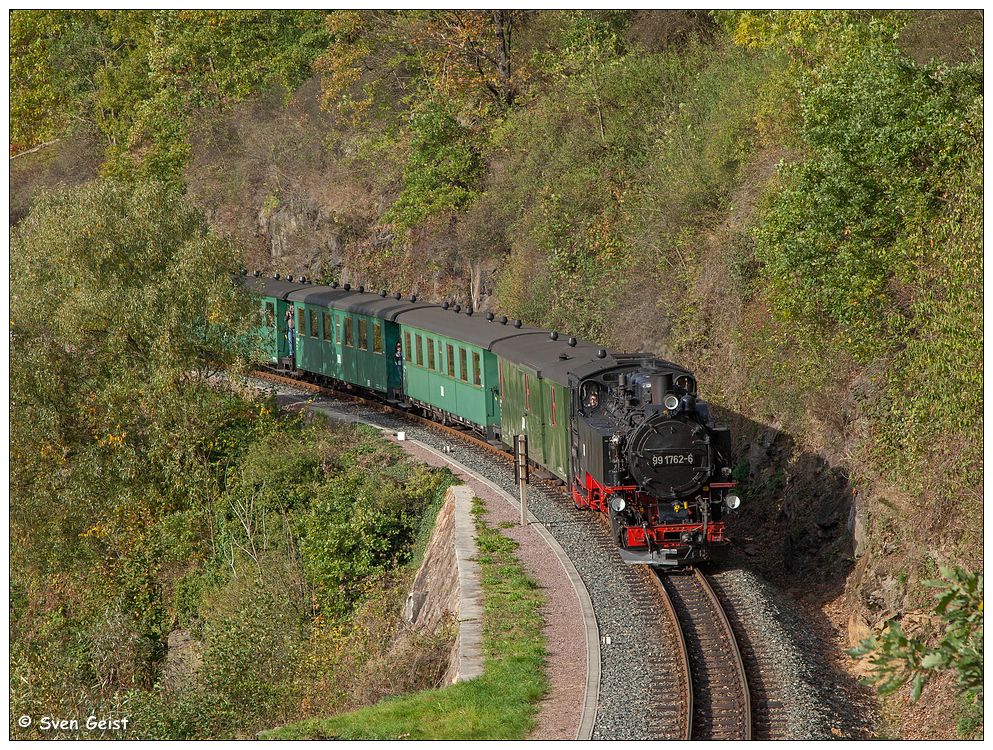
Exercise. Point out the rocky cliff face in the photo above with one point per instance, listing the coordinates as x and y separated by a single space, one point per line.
263 173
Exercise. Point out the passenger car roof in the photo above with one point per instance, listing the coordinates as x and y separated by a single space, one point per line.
351 300
553 359
473 329
270 287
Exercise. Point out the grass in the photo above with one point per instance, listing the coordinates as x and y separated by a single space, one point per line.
970 723
501 704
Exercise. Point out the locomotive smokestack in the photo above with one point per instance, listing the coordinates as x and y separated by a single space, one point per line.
661 385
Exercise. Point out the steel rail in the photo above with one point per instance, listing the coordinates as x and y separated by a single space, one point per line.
683 653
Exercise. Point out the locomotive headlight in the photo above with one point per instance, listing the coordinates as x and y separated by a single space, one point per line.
670 402
732 501
618 504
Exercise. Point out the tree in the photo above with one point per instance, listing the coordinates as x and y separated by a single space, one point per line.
465 59
592 42
122 307
442 172
51 64
136 78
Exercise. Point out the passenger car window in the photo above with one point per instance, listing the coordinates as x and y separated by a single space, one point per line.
463 368
430 354
420 350
363 339
313 323
327 326
476 375
348 332
377 338
406 346
451 361
301 321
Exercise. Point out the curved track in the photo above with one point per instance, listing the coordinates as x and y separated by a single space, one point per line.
720 704
345 395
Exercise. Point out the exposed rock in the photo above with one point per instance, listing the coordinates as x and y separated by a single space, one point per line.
858 628
435 591
888 594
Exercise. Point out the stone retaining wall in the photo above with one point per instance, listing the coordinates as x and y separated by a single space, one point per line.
447 585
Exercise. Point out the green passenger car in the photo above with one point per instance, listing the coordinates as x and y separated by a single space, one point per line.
449 364
536 400
539 408
349 336
450 375
272 299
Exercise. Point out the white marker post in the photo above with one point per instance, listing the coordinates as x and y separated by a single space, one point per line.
521 472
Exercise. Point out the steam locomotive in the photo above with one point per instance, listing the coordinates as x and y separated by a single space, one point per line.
627 433
648 454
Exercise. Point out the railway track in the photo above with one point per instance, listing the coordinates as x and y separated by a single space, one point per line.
714 684
705 694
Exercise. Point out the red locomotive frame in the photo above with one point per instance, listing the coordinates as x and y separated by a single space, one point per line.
657 535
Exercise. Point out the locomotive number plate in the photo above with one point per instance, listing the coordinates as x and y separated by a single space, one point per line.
676 458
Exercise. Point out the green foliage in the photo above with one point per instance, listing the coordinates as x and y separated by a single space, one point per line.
970 723
50 63
122 307
501 704
138 77
111 358
361 527
604 198
898 659
836 246
866 251
176 547
443 169
812 37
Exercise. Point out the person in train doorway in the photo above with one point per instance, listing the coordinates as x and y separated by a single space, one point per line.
398 363
291 339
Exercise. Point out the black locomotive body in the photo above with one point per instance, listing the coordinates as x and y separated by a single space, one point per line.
646 451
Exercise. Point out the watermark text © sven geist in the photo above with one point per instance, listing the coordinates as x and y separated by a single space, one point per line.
55 724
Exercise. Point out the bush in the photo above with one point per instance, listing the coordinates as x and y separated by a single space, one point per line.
883 135
898 659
